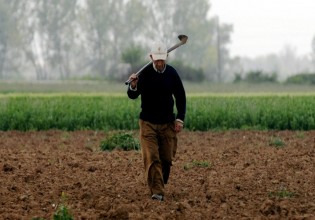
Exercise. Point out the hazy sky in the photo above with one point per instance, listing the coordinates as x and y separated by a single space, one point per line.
267 26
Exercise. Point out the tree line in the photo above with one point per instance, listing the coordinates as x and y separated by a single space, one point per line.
58 39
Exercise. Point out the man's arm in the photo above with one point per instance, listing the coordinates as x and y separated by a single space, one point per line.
132 91
180 100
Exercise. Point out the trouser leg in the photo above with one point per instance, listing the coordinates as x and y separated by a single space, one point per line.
155 180
166 169
158 145
168 147
151 158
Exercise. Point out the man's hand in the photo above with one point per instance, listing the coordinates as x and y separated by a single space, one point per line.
179 126
133 81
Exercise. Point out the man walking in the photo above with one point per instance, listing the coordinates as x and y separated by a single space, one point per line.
160 88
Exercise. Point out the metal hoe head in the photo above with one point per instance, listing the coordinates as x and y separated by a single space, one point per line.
183 38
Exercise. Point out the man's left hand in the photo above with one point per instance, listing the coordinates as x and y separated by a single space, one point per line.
178 126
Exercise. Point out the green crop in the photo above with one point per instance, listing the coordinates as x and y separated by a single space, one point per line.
67 113
117 112
251 112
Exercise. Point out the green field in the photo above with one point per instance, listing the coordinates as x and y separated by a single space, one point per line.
80 106
7 87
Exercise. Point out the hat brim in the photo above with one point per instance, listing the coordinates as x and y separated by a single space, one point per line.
160 56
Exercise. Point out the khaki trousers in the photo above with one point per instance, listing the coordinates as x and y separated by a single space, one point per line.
158 146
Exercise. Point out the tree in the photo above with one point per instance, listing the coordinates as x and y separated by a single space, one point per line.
55 30
25 18
223 57
46 30
58 39
134 56
313 52
3 35
8 38
110 27
171 18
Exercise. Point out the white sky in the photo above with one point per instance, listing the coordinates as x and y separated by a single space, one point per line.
262 27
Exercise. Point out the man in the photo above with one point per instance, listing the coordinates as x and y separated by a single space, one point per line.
158 85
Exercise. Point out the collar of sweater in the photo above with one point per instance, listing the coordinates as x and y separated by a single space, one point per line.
157 70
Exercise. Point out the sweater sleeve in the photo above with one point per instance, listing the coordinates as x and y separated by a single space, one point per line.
180 99
132 94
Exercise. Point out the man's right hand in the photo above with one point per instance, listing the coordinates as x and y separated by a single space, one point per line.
133 81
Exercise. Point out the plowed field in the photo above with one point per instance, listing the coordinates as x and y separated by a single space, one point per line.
215 175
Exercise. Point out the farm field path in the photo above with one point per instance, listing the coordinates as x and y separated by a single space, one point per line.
216 175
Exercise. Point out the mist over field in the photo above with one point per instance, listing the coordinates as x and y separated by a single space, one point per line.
107 40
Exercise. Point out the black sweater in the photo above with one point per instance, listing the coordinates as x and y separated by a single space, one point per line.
158 91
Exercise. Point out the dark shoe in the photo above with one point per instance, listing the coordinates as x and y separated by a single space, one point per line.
157 197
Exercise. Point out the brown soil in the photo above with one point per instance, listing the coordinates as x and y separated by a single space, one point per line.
216 175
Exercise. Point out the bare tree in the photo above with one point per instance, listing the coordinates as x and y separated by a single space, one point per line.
313 52
110 27
8 38
54 20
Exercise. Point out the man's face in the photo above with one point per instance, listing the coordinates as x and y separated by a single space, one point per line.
159 64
